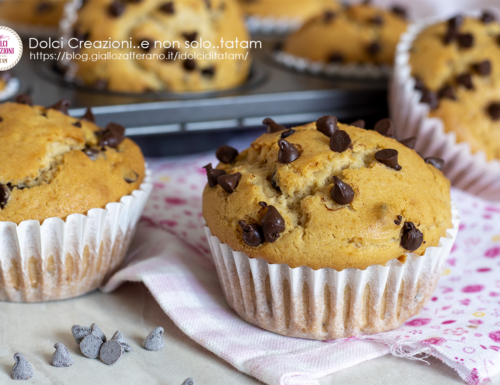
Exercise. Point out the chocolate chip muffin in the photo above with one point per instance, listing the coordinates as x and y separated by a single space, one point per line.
33 12
177 45
456 64
360 33
327 230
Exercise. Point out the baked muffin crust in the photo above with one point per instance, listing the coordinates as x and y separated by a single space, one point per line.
33 12
293 9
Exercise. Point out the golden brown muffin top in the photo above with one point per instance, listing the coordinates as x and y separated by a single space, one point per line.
300 9
33 12
348 209
54 165
357 34
457 64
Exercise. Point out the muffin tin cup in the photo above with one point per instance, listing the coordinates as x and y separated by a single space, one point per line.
326 304
66 258
466 170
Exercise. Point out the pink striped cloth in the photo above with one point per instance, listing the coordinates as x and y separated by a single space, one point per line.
170 254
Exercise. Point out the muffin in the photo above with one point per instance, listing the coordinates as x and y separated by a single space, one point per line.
61 226
33 12
166 52
309 241
360 33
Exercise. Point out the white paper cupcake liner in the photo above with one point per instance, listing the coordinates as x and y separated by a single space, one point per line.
63 259
351 70
273 25
11 88
469 171
326 304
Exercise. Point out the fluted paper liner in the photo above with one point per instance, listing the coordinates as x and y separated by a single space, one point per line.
466 170
273 25
63 259
326 304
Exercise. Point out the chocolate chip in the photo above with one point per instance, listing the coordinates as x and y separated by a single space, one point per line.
4 195
483 68
252 234
389 157
399 11
377 20
412 237
118 337
419 84
92 153
398 221
447 92
327 125
374 48
341 192
287 133
190 37
430 97
272 126
154 341
466 40
167 8
466 81
44 7
131 177
226 154
335 57
189 65
62 106
77 124
24 99
450 35
188 381
97 332
272 224
287 152
410 142
116 8
360 123
90 346
436 162
88 116
170 54
1 119
208 72
273 182
263 205
456 22
213 174
111 352
487 17
113 135
229 182
494 111
328 16
385 127
340 141
61 357
80 332
22 369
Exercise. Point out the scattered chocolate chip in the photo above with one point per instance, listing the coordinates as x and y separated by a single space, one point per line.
92 153
44 7
62 106
341 192
24 99
377 20
272 126
287 152
118 337
61 357
374 48
430 97
328 16
188 381
213 174
263 205
483 68
272 224
436 162
450 34
190 37
4 195
80 332
389 157
90 346
456 22
340 141
335 57
327 125
77 124
273 182
398 221
189 64
360 123
131 177
465 40
487 17
110 352
466 81
113 135
168 8
154 341
385 127
494 111
399 11
226 154
208 72
409 142
229 182
419 84
116 8
170 54
447 92
22 369
97 332
412 237
252 234
100 84
1 119
287 133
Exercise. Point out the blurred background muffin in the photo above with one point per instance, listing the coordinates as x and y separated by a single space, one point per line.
33 12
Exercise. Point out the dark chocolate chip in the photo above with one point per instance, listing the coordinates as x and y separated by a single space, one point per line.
1 119
456 22
229 182
77 124
287 152
487 17
113 135
494 111
450 35
272 224
147 47
436 162
252 234
188 381
213 174
272 126
340 141
110 352
360 123
466 81
419 84
389 157
61 357
226 154
208 71
328 16
131 177
92 153
273 182
409 142
80 332
412 237
44 7
90 346
398 221
168 8
116 8
4 195
263 205
62 106
377 20
189 65
24 99
447 92
335 57
466 40
341 192
374 48
22 369
88 116
170 54
154 341
118 337
327 125
399 11
190 37
430 97
287 133
97 332
385 127
483 68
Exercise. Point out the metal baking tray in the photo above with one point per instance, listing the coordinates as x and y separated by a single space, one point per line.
173 123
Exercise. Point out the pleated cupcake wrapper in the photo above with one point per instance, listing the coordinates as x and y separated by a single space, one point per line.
11 88
350 70
62 259
273 25
326 304
466 170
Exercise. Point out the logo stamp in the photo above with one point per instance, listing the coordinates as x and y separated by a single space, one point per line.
11 48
